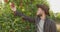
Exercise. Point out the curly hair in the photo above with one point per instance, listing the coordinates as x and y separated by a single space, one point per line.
44 7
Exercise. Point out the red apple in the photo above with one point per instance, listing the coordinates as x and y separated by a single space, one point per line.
6 1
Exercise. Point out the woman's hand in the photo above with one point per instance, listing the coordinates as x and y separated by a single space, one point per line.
13 7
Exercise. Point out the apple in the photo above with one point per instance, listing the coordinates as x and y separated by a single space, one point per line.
6 1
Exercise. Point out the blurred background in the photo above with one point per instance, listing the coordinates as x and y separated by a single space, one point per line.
11 23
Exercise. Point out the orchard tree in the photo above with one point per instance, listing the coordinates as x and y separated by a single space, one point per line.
11 23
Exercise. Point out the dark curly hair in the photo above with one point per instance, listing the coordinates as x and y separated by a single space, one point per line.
44 7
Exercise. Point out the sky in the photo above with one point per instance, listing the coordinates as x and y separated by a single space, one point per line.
54 5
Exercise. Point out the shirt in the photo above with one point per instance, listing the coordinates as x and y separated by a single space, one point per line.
40 26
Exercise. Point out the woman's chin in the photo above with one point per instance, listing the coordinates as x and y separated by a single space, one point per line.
39 15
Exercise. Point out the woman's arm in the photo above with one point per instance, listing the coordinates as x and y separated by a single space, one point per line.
53 27
16 13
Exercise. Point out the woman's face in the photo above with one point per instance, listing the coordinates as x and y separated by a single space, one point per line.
39 12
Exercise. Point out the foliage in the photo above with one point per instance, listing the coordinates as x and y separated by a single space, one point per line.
52 16
11 23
